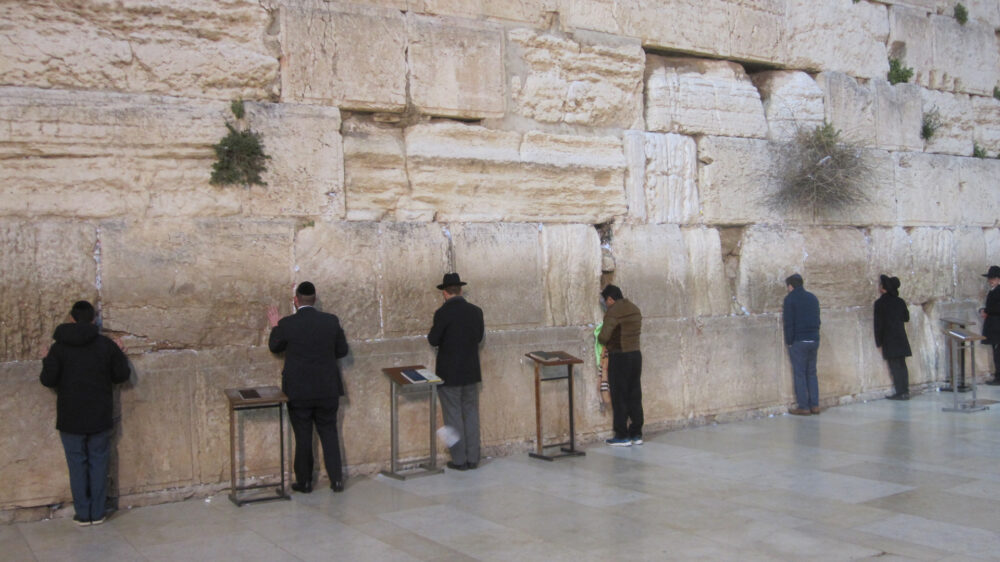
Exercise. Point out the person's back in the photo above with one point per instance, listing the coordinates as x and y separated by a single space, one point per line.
312 341
800 312
457 331
625 318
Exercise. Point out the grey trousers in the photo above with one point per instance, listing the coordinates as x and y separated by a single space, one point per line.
460 409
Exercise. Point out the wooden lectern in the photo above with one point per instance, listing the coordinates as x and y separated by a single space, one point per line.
553 359
399 384
254 399
964 340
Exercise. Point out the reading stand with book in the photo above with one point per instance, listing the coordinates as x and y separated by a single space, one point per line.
241 399
412 379
553 359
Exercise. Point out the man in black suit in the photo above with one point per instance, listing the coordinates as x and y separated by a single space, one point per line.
313 341
458 329
991 320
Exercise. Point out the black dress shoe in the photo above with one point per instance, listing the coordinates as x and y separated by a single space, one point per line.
454 466
994 382
472 465
337 486
303 488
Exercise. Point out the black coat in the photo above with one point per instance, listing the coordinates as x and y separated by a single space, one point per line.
458 329
991 326
82 365
890 334
313 341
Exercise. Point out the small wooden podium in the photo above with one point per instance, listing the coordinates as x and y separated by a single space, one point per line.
399 384
553 359
254 399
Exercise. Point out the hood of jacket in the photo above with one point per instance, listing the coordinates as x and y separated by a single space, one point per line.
75 333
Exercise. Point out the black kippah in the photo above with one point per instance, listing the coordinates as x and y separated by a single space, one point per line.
306 289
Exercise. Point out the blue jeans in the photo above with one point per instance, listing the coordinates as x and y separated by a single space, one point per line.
87 457
803 357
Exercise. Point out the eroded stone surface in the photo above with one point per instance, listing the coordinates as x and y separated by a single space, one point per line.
735 178
986 128
957 117
966 58
572 273
859 30
559 79
413 258
792 102
928 188
700 96
375 178
980 202
768 256
661 177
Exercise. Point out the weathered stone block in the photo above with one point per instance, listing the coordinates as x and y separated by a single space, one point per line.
899 115
992 237
661 177
792 102
652 269
933 264
986 123
572 262
181 283
928 188
700 96
956 116
413 258
850 107
844 351
970 258
666 353
374 170
552 178
341 259
305 171
328 55
768 255
503 266
45 266
707 286
200 48
836 266
527 11
859 30
735 177
879 188
576 80
966 57
911 40
980 201
454 67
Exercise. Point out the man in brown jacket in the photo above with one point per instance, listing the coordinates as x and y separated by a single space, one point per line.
620 335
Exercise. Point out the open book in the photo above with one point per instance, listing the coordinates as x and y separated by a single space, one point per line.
417 376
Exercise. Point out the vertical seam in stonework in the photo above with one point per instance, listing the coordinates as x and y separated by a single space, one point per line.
451 246
97 267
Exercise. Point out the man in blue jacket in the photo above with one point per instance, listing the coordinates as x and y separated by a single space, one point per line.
800 315
82 365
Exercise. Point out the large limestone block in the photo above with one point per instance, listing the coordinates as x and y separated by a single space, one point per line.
525 11
34 468
836 266
899 115
844 351
735 177
911 40
374 170
966 58
922 258
768 255
879 187
305 172
45 266
743 374
413 257
502 262
455 67
84 154
666 353
700 96
792 102
341 259
193 283
970 258
986 123
572 262
706 281
470 173
651 267
661 178
199 48
850 107
980 196
992 237
929 189
153 454
837 36
329 55
957 116
576 80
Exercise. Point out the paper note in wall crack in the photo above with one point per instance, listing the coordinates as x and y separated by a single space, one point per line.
448 435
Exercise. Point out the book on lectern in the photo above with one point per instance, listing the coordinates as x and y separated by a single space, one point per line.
413 376
544 355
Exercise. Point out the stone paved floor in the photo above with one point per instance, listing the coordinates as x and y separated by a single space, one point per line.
887 480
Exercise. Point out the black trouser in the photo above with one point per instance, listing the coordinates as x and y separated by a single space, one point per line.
303 414
900 375
624 372
996 360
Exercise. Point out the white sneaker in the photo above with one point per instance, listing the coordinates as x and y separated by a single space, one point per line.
637 440
615 442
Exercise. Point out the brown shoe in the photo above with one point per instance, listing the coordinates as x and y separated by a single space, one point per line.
814 410
799 412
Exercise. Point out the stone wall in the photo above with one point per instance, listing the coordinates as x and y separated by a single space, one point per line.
408 138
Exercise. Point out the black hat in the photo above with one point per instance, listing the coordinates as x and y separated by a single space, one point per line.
306 289
451 280
890 284
993 273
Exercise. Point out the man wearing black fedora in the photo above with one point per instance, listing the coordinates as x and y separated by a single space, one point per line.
991 320
457 331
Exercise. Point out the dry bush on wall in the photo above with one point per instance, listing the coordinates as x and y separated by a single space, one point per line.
819 173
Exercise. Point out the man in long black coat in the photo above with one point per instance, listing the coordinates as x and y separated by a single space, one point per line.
991 320
457 331
890 334
312 341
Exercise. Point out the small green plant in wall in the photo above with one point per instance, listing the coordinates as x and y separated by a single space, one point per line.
931 123
961 13
899 73
239 156
978 151
996 92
